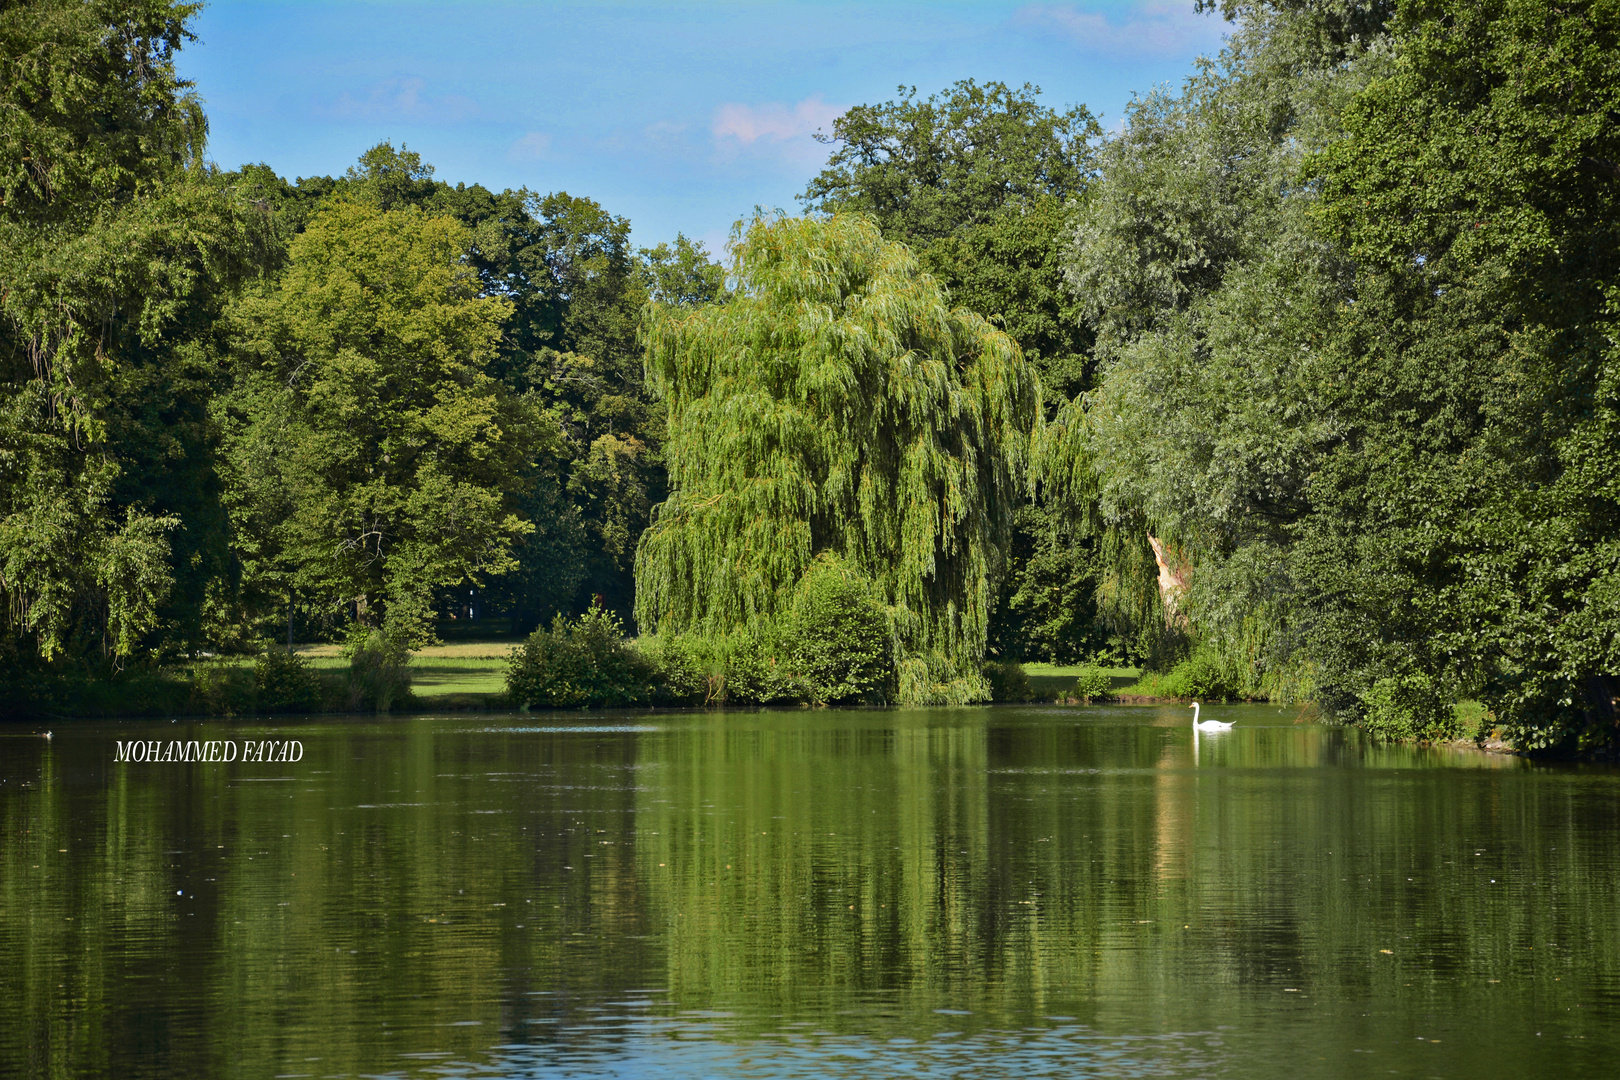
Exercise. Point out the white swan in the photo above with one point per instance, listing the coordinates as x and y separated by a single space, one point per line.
1209 725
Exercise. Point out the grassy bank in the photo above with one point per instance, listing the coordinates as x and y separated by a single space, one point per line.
1056 682
471 676
453 676
470 672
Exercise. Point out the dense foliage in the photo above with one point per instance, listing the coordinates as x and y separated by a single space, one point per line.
1215 299
374 400
118 246
371 449
579 664
981 182
1303 384
1478 189
1354 297
841 643
566 361
832 647
837 404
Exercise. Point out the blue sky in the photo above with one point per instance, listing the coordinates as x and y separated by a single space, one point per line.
680 116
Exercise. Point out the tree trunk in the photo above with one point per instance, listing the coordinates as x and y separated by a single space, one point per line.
1174 573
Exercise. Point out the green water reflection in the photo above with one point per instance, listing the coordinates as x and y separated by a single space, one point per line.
1022 892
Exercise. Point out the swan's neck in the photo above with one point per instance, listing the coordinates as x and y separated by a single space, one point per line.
1195 714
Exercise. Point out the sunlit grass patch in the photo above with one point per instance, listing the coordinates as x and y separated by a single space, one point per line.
1473 719
463 668
495 651
432 676
1072 671
1049 681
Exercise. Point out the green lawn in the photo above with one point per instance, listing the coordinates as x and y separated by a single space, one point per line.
478 669
1473 720
458 668
435 675
1052 680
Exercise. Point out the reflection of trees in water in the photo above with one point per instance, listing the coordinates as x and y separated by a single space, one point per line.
801 863
786 865
350 914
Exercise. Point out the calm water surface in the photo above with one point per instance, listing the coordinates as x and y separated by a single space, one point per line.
1019 892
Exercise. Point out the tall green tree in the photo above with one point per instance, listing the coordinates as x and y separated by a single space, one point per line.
376 460
118 246
683 273
981 181
590 373
576 289
1216 299
837 403
927 169
1467 537
978 180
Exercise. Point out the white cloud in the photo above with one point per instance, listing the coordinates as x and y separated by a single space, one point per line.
773 122
531 147
1155 28
401 98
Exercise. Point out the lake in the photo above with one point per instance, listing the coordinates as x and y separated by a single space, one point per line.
1008 891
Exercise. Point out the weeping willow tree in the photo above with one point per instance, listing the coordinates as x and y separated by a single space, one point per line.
837 404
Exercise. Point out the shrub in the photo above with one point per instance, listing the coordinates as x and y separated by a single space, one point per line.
1406 707
284 682
1008 681
680 669
753 671
739 669
1198 676
1542 712
841 645
217 689
1093 684
584 664
931 678
379 672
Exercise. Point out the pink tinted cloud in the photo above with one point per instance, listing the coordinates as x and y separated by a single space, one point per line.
773 122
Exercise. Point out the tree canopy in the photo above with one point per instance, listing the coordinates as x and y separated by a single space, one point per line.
978 180
382 456
837 404
1474 492
576 287
118 246
1353 292
982 182
927 169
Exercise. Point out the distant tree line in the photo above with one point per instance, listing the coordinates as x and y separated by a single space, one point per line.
231 395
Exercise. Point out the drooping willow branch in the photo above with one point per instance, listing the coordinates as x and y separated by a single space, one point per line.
837 403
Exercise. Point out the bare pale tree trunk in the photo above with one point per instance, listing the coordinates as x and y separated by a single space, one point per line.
1174 574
